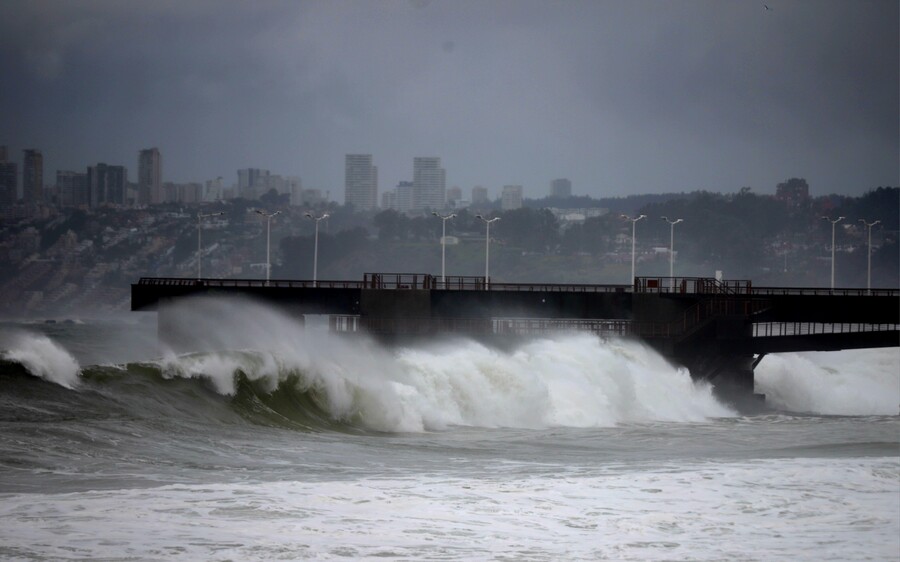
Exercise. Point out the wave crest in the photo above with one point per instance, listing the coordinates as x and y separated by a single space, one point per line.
41 356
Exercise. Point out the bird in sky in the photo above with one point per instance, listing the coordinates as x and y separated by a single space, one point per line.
766 6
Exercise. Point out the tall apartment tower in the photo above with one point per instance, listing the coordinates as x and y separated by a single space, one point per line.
253 182
429 181
561 188
72 188
33 176
106 185
404 196
511 197
9 181
360 182
150 191
479 196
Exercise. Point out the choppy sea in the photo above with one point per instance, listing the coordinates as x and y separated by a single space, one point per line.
274 440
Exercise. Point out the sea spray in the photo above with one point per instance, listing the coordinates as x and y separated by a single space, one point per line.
579 381
851 382
41 356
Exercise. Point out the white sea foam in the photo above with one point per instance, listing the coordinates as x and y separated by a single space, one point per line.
784 509
576 381
42 357
852 382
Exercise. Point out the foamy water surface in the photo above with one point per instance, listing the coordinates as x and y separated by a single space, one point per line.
272 441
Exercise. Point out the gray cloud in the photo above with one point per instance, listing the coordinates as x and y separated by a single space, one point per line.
619 96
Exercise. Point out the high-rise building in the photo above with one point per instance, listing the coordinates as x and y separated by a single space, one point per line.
479 196
189 192
33 176
253 182
404 200
360 182
150 188
511 197
561 188
214 190
106 185
72 188
389 200
454 196
313 197
429 181
116 185
293 188
9 183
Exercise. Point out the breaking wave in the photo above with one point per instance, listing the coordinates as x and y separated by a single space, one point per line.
853 382
254 364
40 356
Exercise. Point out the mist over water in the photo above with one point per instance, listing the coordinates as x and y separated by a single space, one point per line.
851 382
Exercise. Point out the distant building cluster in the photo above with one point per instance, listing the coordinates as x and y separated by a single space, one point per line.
428 189
109 185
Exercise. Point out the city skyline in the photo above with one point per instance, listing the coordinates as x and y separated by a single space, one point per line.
103 183
618 97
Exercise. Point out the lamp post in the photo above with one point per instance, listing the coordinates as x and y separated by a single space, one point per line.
633 225
487 250
268 239
833 222
784 246
869 226
672 244
200 217
316 246
444 219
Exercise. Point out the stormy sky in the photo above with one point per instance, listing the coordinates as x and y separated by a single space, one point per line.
620 96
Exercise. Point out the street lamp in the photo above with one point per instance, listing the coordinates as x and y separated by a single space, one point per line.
487 250
672 244
200 217
869 226
316 246
833 222
444 219
268 239
633 225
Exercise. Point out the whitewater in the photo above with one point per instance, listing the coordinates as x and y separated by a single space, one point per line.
274 440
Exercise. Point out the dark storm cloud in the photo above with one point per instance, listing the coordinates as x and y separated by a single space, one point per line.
618 96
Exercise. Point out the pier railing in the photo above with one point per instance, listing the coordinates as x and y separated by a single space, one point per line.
247 283
691 285
475 327
425 281
784 329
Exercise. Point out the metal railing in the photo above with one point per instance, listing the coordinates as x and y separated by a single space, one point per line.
663 285
816 291
280 283
784 329
475 283
599 327
691 285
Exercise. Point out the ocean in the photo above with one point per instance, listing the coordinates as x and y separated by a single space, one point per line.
274 440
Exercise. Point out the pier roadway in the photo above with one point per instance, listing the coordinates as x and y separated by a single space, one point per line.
719 330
